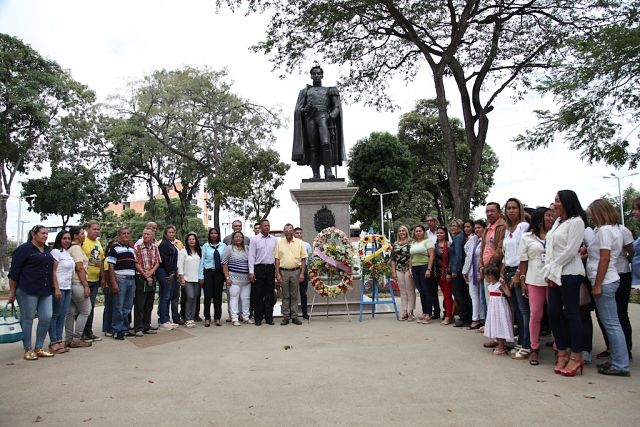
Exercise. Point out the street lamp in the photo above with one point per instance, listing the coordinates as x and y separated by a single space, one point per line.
618 178
375 192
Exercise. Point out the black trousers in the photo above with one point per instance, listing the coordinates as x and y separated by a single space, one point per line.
213 284
303 293
462 297
142 305
432 289
262 292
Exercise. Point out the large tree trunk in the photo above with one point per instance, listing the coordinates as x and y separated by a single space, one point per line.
4 247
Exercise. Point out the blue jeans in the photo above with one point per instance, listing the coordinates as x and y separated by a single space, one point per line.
168 289
60 307
28 306
608 312
566 325
88 327
122 303
426 300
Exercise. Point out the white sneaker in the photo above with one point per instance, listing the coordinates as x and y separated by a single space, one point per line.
236 323
169 326
249 322
190 324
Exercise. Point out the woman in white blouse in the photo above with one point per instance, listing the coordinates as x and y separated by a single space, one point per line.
564 273
603 249
532 253
188 266
63 267
510 274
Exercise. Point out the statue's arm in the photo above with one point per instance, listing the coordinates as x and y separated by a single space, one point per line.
335 103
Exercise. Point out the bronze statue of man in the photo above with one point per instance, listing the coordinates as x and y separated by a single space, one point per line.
317 127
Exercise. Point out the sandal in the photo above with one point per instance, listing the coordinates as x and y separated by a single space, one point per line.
57 348
499 351
446 321
404 317
533 359
491 344
521 354
425 320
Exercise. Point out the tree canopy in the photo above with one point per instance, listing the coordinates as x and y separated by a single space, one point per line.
596 89
39 101
174 128
483 46
379 161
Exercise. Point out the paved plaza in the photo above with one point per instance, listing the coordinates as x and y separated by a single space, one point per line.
332 371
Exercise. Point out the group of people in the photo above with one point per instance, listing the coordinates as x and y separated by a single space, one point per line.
499 275
496 275
61 284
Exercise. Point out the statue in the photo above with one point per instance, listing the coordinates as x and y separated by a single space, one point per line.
317 127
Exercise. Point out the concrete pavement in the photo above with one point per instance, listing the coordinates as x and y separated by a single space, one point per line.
330 372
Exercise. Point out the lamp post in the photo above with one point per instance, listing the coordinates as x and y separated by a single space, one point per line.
375 192
618 178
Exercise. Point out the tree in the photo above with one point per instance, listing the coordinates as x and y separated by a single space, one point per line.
420 131
379 161
486 46
174 129
37 98
596 88
247 181
67 192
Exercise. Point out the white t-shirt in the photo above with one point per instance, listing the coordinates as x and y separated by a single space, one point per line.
622 263
532 250
65 269
511 244
606 237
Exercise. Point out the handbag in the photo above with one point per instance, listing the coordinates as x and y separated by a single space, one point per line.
10 329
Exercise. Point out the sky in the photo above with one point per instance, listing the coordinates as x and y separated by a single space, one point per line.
106 44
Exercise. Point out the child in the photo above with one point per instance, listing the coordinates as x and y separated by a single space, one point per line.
499 324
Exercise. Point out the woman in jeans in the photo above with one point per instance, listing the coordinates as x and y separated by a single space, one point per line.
510 274
400 255
212 276
564 273
167 275
235 265
80 306
63 267
472 276
188 265
31 283
603 250
422 254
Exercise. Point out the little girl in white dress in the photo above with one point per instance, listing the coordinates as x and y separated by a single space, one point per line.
499 323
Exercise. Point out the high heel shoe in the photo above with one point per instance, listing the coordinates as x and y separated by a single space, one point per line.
568 372
561 362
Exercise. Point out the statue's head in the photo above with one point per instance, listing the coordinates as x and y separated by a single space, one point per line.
316 73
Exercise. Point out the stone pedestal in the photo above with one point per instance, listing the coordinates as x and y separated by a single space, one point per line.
323 203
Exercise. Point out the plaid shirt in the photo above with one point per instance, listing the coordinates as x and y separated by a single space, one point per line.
147 257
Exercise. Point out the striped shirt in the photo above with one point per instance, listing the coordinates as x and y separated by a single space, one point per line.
123 259
236 259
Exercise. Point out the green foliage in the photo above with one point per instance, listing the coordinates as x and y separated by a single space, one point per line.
175 128
247 181
379 161
421 132
485 47
67 192
38 103
596 89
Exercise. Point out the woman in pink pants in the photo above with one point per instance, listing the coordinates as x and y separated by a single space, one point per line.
532 253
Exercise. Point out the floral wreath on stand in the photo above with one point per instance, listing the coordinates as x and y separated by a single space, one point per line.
332 259
378 263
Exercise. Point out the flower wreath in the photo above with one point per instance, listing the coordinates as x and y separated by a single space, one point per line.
332 256
377 264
